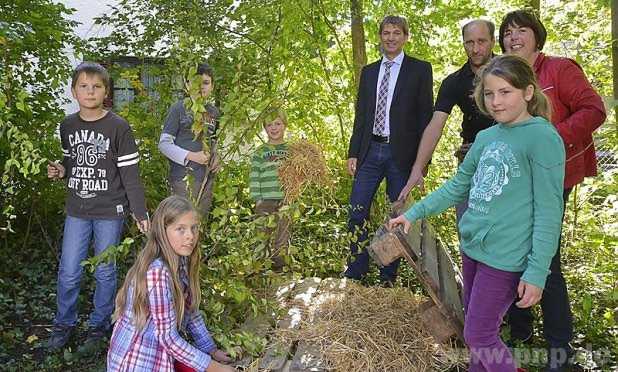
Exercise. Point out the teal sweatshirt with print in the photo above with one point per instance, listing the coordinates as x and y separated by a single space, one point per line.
513 176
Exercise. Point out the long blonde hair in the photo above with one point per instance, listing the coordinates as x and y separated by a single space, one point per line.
158 246
517 72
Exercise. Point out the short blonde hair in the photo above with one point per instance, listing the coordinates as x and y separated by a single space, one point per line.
269 115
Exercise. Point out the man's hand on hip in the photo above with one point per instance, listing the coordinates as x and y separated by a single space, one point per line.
352 166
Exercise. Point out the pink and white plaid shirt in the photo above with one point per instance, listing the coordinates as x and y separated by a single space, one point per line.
158 344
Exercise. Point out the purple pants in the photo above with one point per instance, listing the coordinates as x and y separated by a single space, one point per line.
488 294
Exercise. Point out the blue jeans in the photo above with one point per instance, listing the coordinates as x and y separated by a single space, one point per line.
378 164
75 243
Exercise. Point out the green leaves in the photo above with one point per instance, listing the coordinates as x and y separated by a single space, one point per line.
33 35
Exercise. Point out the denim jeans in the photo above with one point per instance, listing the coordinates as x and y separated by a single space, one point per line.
378 164
78 233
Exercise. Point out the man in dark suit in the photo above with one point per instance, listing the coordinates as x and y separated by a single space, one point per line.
393 107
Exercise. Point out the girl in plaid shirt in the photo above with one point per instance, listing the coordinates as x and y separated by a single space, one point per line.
160 296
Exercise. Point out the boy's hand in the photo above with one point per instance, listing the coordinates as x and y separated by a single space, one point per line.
221 356
401 220
199 157
143 226
55 170
530 294
215 164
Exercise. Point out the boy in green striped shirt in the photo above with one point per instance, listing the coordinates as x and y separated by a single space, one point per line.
264 184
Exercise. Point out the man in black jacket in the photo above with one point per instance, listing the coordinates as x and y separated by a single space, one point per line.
457 90
393 107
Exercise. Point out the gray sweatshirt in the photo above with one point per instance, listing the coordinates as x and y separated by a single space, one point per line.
177 140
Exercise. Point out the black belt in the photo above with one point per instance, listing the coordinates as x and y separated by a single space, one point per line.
380 139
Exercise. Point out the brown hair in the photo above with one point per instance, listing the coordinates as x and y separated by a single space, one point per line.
204 68
158 246
91 68
523 18
517 72
491 28
395 21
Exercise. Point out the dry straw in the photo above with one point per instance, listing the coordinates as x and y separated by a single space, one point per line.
304 166
373 329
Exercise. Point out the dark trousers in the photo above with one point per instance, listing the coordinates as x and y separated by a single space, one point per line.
378 164
557 317
192 190
279 236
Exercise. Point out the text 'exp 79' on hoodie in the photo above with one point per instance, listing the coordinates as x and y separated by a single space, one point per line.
513 176
101 161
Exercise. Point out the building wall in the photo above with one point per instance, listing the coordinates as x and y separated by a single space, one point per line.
85 12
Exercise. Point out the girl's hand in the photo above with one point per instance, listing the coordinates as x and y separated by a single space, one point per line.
218 367
530 294
55 170
401 220
221 356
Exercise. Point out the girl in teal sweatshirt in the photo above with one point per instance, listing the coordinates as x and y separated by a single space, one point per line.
513 176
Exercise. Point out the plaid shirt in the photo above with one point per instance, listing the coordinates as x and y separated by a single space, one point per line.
158 344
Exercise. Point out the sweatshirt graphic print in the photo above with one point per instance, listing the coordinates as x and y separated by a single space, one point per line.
100 158
497 166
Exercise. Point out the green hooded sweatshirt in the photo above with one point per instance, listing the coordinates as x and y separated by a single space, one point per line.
513 176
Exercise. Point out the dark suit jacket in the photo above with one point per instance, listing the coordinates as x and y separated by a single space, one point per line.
410 112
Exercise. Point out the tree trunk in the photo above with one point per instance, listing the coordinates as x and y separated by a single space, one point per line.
359 55
615 54
536 6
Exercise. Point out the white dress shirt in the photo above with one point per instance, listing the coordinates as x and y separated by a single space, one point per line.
395 67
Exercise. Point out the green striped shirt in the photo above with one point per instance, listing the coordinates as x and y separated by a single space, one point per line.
264 178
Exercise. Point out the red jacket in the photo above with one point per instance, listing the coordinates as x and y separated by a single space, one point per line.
577 110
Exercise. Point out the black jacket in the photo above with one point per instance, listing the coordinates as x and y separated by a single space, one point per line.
410 111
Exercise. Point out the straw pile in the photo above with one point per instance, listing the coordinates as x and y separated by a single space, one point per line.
305 165
373 329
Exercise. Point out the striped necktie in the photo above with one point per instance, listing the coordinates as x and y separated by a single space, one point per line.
380 116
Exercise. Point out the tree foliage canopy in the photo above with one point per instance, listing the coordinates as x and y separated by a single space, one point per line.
295 53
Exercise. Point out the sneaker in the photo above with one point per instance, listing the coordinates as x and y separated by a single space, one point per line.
97 333
60 337
95 340
559 359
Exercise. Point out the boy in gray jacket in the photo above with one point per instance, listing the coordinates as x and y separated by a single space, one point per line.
186 152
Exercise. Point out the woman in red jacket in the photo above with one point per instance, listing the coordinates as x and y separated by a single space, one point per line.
577 111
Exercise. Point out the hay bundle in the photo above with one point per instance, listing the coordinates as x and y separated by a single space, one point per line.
305 165
373 329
